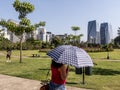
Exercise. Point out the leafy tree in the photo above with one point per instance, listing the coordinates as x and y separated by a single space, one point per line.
117 40
4 43
1 34
76 38
68 39
56 41
45 45
24 26
75 28
37 44
42 23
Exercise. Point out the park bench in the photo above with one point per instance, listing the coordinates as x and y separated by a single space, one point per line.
35 55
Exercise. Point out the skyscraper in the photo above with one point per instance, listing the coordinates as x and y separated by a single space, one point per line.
93 32
105 33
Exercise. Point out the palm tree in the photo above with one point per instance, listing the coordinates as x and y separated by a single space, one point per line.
75 29
76 38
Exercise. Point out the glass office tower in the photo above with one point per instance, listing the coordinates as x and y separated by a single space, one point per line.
105 33
93 32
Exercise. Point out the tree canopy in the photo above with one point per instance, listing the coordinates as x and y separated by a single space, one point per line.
23 8
24 26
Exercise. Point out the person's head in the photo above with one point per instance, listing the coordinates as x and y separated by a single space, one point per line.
55 64
8 49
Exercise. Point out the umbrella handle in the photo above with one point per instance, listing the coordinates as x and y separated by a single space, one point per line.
83 70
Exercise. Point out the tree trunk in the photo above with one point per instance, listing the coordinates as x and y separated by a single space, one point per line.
21 49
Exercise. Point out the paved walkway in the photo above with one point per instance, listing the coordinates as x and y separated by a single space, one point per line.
16 83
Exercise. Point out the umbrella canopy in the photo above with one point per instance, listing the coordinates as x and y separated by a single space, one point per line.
72 55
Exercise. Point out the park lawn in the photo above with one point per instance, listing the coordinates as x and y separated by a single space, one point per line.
105 75
114 55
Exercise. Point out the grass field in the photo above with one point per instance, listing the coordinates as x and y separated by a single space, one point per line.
105 75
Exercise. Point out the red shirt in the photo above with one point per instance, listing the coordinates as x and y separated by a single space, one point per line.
56 78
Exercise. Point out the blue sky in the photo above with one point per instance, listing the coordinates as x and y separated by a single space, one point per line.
60 15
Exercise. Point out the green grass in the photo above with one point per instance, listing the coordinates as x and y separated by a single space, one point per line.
105 75
115 55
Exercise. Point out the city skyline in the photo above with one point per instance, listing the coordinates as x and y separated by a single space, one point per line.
99 33
61 15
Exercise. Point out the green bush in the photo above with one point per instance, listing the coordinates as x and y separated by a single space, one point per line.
97 49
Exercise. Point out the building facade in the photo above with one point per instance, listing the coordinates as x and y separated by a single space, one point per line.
93 32
48 37
105 33
41 34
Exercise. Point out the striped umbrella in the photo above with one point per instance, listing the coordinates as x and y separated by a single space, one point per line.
72 55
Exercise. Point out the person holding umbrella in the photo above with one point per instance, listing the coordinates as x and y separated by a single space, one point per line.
59 75
71 55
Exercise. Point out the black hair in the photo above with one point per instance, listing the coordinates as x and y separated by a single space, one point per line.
55 64
8 49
